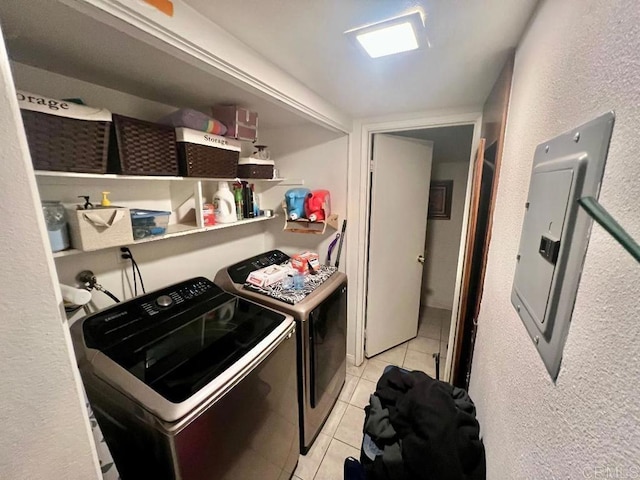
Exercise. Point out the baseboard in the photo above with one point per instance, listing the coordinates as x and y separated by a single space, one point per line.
351 359
440 307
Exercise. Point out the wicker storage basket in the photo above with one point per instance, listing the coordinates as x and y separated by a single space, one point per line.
63 136
206 155
143 148
255 168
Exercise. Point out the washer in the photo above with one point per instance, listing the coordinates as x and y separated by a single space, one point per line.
321 320
193 383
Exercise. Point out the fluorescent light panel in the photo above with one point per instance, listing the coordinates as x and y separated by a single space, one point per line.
399 34
389 40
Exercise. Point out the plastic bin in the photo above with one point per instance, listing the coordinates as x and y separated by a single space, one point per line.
148 223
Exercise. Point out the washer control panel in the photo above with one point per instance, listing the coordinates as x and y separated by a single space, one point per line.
179 294
124 320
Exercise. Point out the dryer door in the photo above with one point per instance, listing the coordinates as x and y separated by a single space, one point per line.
328 346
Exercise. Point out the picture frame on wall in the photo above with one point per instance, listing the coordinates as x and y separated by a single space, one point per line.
440 195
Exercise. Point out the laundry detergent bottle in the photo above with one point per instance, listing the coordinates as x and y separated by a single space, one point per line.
224 204
317 205
295 202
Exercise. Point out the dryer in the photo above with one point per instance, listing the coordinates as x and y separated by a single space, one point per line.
321 331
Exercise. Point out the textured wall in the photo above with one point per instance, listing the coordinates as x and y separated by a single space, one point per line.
45 431
577 59
443 239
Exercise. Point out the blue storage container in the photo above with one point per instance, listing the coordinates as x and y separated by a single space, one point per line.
148 223
295 202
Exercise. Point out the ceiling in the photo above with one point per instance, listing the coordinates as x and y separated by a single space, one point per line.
470 41
450 144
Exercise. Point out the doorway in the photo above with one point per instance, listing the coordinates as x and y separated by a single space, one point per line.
412 329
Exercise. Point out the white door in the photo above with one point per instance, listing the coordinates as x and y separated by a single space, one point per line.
398 225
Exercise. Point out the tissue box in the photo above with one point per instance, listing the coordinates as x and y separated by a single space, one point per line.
301 261
99 228
268 275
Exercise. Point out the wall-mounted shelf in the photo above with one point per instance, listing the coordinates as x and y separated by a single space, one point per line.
303 225
142 178
173 231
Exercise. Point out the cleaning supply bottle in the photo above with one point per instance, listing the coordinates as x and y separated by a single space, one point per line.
317 205
237 193
256 207
224 204
294 198
105 199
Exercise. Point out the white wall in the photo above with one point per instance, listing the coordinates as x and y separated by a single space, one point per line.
45 429
579 58
443 240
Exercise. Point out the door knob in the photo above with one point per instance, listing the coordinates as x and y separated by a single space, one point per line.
421 259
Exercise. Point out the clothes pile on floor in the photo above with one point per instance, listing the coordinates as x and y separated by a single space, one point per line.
417 428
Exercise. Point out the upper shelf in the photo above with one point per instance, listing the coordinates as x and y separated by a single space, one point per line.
184 61
111 176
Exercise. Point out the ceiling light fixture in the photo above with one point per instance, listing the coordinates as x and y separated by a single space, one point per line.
399 34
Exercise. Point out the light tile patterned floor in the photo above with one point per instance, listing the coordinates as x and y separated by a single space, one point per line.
342 432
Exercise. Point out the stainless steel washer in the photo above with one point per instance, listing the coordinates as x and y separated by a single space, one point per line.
321 320
192 383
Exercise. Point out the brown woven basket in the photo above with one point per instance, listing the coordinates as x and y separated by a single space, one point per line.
144 148
252 170
208 162
66 144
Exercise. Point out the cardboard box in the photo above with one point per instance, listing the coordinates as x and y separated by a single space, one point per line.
301 261
268 275
99 228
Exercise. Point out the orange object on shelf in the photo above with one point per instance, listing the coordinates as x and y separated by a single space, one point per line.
165 6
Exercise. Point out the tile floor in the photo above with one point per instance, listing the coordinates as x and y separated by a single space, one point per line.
342 433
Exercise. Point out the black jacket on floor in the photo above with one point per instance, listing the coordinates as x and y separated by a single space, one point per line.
437 432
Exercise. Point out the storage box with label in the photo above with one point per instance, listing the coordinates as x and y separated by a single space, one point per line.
207 155
241 123
249 167
98 228
65 136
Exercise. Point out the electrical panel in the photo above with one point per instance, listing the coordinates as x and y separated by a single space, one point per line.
555 234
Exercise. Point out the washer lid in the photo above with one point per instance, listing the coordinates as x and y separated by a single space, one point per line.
178 355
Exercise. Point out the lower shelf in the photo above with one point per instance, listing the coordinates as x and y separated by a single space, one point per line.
173 231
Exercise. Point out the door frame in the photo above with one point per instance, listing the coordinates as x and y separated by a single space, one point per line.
359 186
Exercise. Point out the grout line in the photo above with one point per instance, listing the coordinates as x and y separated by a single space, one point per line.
325 454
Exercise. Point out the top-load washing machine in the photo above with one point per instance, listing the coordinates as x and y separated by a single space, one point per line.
192 383
321 318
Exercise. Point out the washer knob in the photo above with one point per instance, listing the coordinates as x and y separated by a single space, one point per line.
164 300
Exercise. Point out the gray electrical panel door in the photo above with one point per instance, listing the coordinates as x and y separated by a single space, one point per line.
555 234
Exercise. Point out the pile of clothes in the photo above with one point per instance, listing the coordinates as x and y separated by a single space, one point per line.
417 428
